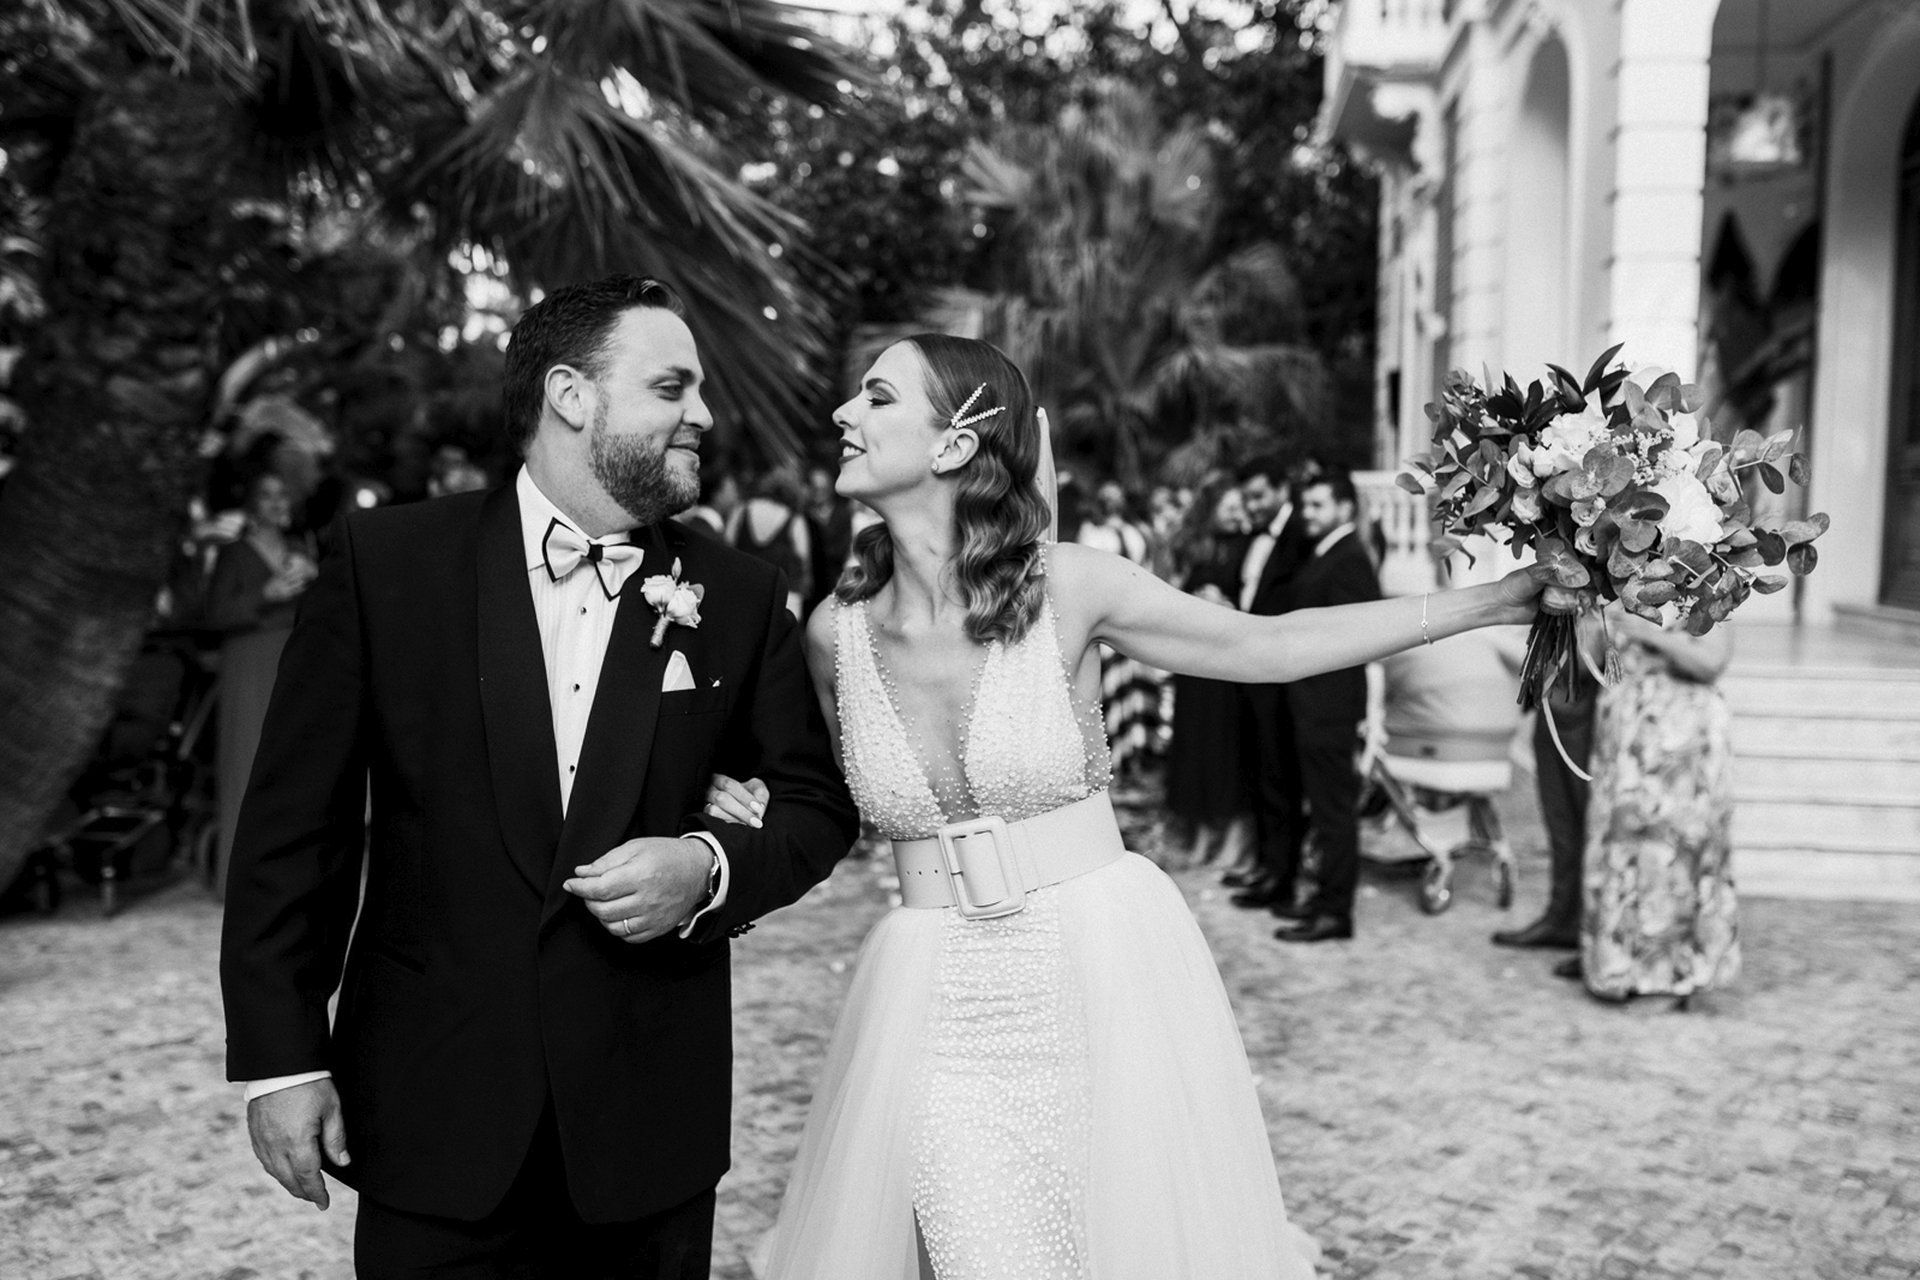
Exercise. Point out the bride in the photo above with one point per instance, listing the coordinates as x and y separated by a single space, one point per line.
1037 1073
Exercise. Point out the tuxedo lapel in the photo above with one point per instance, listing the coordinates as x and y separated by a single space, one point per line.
513 695
619 738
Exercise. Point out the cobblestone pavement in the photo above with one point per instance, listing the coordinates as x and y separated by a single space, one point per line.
1438 1107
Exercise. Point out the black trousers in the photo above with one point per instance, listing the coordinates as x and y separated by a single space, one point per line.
535 1234
1273 783
1332 787
1563 803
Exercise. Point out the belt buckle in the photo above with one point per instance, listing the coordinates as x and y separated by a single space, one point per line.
995 828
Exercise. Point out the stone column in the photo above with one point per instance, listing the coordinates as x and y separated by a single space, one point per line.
1660 162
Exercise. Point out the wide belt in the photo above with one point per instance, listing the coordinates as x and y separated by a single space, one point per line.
986 867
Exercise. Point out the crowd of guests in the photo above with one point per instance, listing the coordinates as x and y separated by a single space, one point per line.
1263 782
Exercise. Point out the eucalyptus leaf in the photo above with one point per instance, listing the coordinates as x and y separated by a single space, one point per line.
1769 584
1803 558
1407 482
1771 477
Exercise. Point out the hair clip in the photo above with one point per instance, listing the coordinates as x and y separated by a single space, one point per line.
958 420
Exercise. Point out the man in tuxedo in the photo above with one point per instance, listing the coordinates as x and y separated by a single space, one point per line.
529 1069
1327 710
1278 548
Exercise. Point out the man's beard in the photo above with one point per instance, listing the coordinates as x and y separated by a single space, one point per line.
634 472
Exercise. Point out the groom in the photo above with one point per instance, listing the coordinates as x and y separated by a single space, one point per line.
528 1073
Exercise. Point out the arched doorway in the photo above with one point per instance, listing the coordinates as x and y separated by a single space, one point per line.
1538 276
1900 565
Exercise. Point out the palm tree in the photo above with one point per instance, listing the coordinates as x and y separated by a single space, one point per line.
569 139
1112 288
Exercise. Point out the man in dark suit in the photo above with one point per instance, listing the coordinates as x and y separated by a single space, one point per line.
1278 548
1327 710
529 1070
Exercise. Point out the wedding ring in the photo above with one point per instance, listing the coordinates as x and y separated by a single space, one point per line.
626 927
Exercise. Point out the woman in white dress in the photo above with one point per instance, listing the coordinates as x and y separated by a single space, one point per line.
1037 1074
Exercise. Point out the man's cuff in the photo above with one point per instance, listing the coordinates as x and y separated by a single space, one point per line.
725 878
261 1088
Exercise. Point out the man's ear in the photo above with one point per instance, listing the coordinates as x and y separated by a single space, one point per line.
956 449
570 394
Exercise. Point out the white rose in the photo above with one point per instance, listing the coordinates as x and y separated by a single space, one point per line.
1692 513
683 606
1520 464
1686 430
658 590
1526 503
1566 440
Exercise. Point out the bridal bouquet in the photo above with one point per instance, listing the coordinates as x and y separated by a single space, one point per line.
1616 488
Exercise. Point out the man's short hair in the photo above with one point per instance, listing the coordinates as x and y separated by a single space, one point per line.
569 326
1339 480
1268 465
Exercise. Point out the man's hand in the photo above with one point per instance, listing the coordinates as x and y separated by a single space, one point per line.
645 887
290 1128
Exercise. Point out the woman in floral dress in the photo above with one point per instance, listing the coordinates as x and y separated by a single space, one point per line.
1659 915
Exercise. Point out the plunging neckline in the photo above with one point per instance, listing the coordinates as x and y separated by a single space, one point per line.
916 742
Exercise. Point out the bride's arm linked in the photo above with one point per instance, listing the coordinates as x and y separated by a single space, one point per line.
744 802
1106 598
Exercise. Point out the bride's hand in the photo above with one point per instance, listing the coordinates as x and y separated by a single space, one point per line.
1525 592
743 803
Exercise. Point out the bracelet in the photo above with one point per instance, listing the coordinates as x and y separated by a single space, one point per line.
1424 637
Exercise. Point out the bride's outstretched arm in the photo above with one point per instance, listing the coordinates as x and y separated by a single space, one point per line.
1114 601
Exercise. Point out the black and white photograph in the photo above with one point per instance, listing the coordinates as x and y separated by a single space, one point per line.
960 640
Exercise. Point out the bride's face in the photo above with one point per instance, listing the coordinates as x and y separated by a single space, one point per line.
887 433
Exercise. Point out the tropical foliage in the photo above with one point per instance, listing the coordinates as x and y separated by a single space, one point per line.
167 146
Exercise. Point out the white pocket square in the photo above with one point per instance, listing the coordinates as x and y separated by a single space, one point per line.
679 674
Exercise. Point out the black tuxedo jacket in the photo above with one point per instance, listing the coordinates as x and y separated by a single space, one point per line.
1290 550
476 992
1343 575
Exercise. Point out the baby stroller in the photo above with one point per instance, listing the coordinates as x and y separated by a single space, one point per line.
149 778
1437 749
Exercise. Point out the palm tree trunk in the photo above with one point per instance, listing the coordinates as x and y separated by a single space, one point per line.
116 393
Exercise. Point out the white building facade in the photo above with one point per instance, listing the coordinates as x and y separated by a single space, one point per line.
1729 187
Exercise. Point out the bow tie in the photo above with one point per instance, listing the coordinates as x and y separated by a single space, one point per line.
564 549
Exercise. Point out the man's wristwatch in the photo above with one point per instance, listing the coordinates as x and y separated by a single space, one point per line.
713 875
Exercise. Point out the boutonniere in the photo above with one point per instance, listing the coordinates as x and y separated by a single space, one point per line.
675 600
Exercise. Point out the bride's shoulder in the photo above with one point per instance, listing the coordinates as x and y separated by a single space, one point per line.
822 638
1082 582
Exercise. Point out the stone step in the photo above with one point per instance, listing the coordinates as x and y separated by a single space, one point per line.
1780 774
1850 875
1875 696
1781 730
1889 827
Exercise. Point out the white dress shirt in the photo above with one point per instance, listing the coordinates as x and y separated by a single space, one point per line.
1259 551
1331 536
576 621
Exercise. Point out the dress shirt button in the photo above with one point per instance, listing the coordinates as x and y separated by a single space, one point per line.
583 609
576 688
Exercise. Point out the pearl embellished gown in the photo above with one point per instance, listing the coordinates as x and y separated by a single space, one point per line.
1059 1094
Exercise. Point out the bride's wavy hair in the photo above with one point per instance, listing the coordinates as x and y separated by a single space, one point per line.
1002 516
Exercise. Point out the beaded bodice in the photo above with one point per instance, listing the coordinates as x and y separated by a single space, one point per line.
1023 746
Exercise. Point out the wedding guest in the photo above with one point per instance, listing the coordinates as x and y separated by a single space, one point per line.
1206 787
830 529
452 471
251 600
770 526
1326 711
1275 553
719 499
1659 915
1564 796
1129 690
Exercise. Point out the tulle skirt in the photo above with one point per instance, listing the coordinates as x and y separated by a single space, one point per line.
1058 1093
